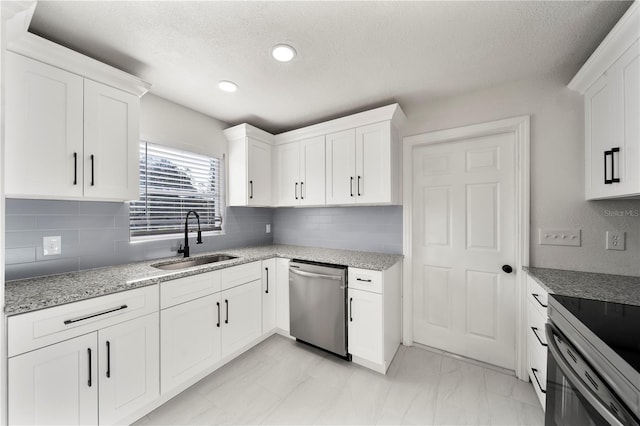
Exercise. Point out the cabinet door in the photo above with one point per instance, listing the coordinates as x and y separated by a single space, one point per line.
190 340
312 172
629 65
129 367
282 294
268 295
242 310
365 325
57 384
259 173
341 159
43 116
373 163
288 174
111 143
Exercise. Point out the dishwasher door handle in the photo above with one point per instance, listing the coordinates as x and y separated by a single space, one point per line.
314 275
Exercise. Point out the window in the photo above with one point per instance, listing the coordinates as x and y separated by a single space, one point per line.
172 182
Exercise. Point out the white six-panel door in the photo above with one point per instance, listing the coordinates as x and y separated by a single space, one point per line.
463 233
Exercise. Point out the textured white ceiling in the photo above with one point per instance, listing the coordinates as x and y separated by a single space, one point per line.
351 55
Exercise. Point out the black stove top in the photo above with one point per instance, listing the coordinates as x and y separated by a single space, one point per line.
616 324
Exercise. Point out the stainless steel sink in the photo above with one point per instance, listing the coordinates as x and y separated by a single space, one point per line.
189 263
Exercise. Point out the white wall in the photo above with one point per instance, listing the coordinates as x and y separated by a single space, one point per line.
557 169
167 123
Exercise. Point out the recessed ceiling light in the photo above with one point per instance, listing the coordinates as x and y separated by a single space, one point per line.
283 52
227 86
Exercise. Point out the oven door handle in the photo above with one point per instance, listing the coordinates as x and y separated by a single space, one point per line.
576 380
314 275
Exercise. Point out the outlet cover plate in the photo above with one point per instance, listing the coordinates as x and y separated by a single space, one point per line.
615 240
51 245
559 237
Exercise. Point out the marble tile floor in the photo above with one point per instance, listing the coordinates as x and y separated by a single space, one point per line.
284 382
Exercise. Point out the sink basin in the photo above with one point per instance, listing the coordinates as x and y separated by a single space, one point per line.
189 263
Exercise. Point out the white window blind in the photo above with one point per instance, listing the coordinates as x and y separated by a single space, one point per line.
172 182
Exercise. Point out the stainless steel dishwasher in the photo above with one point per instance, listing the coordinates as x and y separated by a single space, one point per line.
317 305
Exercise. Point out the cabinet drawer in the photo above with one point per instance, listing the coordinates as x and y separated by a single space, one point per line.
537 295
364 279
184 289
242 274
537 367
41 328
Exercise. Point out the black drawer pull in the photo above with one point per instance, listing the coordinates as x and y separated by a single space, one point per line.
97 314
535 296
267 290
218 304
351 309
108 359
359 194
351 186
92 179
534 370
75 168
226 320
89 353
364 281
535 332
251 187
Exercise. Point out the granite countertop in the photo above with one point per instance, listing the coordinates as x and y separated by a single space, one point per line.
588 285
31 294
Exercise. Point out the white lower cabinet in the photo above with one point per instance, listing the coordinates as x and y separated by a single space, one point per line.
269 295
56 384
190 340
365 325
242 311
282 295
128 372
374 316
115 368
536 338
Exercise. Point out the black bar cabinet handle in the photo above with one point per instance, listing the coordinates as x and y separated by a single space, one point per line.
606 154
614 179
534 370
251 188
97 314
92 179
108 359
75 168
535 332
89 353
296 191
351 186
351 309
359 194
364 281
535 296
226 320
218 324
302 190
267 290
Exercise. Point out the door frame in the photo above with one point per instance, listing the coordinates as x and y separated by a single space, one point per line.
520 128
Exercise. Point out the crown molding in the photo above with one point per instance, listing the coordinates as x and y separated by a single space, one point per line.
391 113
16 17
623 34
43 50
247 130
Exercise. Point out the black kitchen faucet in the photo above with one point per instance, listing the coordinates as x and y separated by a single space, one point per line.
185 250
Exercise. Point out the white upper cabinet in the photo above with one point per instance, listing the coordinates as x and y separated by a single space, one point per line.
250 168
610 83
111 143
44 148
71 132
300 173
363 165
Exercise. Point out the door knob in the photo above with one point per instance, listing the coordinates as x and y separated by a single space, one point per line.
507 268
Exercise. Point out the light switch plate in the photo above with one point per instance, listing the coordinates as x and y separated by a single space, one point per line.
559 237
615 240
51 245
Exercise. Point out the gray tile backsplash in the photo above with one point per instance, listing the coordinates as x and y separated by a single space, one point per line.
376 229
96 234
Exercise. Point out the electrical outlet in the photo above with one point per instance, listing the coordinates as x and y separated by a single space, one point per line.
615 240
268 230
51 245
559 237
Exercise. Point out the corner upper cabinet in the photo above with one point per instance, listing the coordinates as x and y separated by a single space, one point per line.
363 165
250 168
610 83
300 173
71 132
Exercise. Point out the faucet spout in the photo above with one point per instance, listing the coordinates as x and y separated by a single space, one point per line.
185 250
